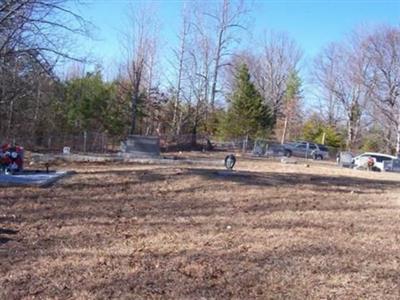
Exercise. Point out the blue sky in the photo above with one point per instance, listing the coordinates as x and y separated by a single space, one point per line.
313 23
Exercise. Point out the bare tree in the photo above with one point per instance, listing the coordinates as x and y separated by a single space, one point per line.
207 36
198 73
279 58
35 36
382 48
338 71
140 42
329 109
228 18
181 56
199 82
41 29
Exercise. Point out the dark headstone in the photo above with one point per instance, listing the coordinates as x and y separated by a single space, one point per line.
141 146
230 161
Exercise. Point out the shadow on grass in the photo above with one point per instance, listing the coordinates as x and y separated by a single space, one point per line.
82 215
67 204
89 200
4 240
293 179
6 231
124 172
251 178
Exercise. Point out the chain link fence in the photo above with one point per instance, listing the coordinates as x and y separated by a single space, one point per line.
100 142
94 142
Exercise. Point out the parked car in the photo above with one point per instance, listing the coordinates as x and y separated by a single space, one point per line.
306 149
378 160
267 148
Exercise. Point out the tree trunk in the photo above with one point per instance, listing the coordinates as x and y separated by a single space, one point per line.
352 126
323 138
398 139
177 113
214 82
179 126
194 135
245 142
284 130
388 141
37 104
133 113
217 63
10 118
350 136
134 102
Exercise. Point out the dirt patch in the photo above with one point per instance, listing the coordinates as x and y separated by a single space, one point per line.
140 231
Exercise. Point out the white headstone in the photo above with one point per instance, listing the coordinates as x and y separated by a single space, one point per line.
345 159
66 150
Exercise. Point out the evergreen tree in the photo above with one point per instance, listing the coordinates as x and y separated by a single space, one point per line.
91 105
247 115
315 130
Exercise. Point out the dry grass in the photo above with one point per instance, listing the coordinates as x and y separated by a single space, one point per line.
270 231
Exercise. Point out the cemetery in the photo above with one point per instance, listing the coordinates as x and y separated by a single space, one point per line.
154 230
203 150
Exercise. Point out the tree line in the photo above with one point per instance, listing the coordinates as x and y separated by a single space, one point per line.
213 81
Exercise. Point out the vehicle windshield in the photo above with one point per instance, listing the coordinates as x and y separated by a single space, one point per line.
312 146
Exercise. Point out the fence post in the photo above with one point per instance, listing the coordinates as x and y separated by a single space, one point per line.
84 141
245 141
102 143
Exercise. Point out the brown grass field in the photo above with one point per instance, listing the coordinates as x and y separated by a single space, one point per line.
268 231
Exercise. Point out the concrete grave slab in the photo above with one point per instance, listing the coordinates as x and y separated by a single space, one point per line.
33 178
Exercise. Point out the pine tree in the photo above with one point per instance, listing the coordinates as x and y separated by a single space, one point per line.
247 116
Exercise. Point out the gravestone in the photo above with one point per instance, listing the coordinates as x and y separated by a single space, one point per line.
67 150
345 159
141 146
